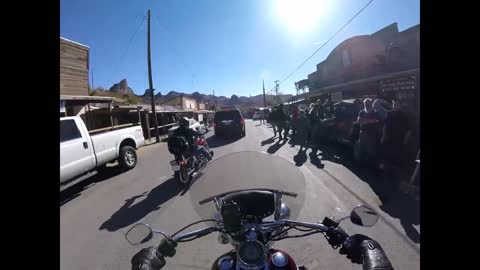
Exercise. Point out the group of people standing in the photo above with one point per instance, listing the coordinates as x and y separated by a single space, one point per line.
384 135
304 123
381 133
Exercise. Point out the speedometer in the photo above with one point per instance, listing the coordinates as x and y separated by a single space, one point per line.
252 253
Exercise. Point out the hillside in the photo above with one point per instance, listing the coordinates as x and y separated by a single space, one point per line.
122 91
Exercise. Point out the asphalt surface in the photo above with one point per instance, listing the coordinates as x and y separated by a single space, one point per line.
95 214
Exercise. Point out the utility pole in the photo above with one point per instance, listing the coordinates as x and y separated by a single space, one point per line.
264 97
214 100
276 89
150 82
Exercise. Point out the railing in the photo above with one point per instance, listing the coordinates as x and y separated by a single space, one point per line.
167 125
98 130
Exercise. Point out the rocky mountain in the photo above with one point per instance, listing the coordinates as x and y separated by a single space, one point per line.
254 101
121 88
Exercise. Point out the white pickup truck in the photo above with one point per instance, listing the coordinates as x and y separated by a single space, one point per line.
81 153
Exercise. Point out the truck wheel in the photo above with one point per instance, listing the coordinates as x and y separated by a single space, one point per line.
127 158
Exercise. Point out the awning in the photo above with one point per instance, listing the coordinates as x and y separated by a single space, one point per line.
333 88
83 100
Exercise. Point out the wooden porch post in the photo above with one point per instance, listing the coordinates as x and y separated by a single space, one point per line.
111 117
148 125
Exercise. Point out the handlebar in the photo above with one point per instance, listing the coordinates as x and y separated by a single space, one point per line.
317 226
196 233
265 225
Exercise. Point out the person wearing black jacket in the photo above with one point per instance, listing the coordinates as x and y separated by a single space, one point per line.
281 121
189 134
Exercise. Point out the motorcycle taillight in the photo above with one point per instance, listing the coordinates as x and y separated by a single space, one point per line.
181 162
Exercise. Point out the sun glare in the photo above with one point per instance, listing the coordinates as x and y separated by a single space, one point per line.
301 16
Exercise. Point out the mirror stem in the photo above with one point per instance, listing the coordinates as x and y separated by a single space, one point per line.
340 220
160 232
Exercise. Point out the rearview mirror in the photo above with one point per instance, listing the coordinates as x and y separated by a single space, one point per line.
139 233
363 216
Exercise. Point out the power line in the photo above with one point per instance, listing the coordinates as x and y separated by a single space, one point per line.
341 28
176 53
129 43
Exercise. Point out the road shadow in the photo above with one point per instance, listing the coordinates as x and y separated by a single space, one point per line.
268 141
76 190
405 208
274 147
300 157
215 141
130 213
385 185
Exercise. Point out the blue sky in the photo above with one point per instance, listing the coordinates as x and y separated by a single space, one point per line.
224 45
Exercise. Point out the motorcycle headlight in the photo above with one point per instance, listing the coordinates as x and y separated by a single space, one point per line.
252 253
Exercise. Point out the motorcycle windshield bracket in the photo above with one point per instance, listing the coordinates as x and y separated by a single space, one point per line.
278 205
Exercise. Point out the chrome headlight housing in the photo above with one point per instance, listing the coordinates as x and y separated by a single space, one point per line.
252 253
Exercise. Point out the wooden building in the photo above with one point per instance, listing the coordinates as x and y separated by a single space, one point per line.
74 68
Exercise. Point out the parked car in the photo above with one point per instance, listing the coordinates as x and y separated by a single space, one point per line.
258 115
229 122
193 124
81 154
341 128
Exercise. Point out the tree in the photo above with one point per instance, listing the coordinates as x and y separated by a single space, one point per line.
212 108
131 99
234 99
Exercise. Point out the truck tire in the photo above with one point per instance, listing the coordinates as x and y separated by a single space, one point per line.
127 158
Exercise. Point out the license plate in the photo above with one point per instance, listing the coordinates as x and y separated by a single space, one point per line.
175 166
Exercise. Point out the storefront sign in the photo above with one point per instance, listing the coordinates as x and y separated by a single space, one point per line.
402 88
402 83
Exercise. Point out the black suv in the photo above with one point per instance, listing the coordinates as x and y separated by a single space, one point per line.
229 122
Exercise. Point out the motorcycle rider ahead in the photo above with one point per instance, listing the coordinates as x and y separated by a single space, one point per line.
362 250
185 131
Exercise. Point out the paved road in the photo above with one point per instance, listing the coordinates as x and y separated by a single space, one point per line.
96 214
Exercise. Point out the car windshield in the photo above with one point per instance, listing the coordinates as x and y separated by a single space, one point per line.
227 115
248 170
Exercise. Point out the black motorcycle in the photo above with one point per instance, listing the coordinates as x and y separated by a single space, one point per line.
253 219
186 165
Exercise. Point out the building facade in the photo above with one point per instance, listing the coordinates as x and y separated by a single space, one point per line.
74 68
75 97
182 102
383 52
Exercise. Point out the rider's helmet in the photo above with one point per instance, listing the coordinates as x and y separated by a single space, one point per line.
183 122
